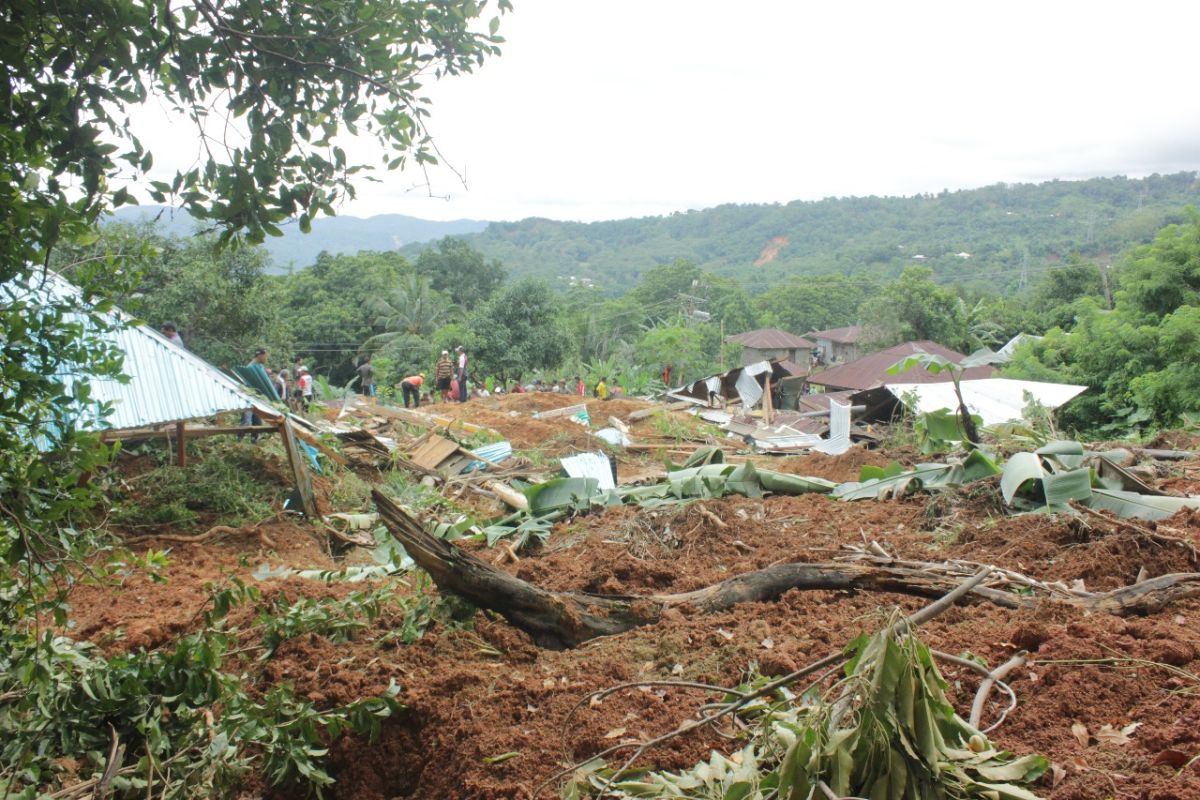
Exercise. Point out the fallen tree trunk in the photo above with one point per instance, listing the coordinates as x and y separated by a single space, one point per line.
567 619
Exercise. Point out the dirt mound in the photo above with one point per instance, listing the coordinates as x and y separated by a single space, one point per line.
489 715
845 467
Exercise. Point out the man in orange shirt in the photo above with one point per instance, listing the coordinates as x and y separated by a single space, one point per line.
411 387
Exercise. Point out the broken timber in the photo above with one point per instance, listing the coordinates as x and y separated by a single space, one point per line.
567 619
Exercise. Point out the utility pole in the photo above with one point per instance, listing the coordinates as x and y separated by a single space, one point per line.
1107 289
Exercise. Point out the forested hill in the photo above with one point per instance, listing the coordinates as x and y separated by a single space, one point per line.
331 234
1005 229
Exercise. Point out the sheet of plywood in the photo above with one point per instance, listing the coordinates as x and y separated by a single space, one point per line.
433 451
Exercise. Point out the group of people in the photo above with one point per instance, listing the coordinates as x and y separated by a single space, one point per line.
450 380
294 386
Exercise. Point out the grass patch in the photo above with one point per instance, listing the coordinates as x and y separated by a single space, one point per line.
225 482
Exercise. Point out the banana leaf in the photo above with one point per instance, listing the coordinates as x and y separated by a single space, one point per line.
1020 469
1133 505
975 466
561 493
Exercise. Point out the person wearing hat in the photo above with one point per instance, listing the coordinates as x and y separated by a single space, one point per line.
442 373
460 373
411 387
172 335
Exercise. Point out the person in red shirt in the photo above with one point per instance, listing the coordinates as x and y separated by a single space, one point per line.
411 387
580 389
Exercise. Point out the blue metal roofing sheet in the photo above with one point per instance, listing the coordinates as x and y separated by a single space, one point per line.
166 383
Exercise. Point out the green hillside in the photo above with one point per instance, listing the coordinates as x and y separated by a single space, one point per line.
1005 228
330 234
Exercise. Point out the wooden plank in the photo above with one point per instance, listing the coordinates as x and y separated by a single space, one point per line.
308 499
679 405
565 411
145 434
433 452
326 450
180 444
430 420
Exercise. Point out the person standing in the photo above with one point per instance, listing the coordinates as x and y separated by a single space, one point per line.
411 387
580 387
442 373
460 373
257 365
172 335
366 376
281 384
601 390
304 386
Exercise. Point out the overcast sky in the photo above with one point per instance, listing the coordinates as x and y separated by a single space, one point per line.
604 109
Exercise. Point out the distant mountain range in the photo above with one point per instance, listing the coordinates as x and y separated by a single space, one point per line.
999 236
333 234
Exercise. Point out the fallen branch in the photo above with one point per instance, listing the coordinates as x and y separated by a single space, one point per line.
567 619
212 533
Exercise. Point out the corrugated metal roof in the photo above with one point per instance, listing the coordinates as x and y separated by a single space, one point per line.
847 335
166 383
995 400
871 371
820 402
770 339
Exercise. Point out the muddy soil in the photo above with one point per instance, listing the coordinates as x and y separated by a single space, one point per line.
476 692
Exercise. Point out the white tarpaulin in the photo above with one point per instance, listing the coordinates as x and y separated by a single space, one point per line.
995 400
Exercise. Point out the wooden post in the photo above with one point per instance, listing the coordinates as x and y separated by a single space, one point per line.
303 480
767 401
180 444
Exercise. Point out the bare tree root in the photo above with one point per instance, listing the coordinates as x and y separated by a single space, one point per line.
567 619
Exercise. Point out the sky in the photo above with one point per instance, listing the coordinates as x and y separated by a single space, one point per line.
607 109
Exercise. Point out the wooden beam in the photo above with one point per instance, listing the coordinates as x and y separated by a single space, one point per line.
326 450
679 405
144 434
181 443
429 420
308 499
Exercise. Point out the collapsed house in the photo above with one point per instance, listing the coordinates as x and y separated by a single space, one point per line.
994 400
871 371
167 392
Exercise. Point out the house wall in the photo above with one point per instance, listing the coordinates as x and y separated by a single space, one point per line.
844 351
802 357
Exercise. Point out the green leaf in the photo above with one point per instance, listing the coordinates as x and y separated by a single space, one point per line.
1132 505
1062 487
561 493
1020 469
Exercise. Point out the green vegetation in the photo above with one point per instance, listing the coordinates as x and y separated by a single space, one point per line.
225 482
885 730
292 78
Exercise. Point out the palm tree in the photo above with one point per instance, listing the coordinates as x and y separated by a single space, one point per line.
414 310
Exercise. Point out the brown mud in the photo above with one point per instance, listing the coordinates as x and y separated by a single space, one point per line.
474 693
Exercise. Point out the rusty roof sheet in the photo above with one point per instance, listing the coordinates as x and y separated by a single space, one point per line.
872 370
166 383
770 339
847 335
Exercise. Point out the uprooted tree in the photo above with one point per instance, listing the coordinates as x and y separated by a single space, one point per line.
567 619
